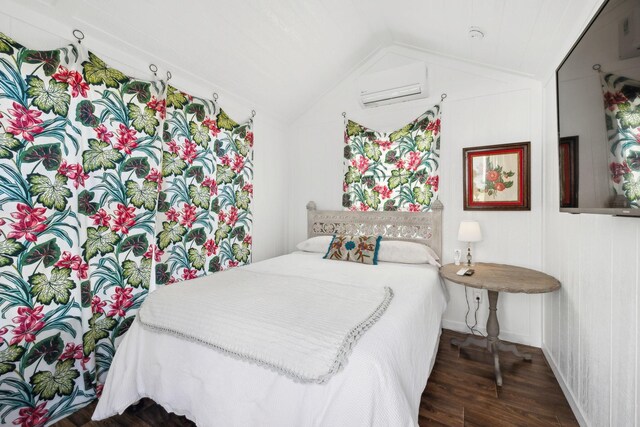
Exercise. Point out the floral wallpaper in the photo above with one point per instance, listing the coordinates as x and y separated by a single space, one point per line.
395 171
622 114
205 220
83 173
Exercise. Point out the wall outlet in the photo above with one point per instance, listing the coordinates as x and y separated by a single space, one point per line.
478 296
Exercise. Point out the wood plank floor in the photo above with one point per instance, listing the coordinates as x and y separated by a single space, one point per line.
461 392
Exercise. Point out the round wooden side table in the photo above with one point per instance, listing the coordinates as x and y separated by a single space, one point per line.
496 278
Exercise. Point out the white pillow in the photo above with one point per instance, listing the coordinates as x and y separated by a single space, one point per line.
319 244
407 253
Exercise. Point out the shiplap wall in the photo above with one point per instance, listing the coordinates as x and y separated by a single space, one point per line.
591 327
484 106
269 151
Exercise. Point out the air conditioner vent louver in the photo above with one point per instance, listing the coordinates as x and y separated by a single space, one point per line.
393 85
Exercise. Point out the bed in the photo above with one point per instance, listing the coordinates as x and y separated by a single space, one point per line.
380 385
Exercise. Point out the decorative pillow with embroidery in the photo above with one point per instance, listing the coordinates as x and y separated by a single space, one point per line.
362 249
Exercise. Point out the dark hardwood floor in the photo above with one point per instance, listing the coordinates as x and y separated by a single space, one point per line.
461 392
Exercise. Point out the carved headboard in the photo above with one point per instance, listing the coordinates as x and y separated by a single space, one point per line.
423 227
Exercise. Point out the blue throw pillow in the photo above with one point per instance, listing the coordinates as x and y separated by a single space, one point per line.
362 249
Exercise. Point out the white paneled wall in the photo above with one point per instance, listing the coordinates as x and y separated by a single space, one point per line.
483 107
591 331
270 162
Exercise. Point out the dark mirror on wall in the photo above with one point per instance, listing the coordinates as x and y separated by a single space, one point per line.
598 87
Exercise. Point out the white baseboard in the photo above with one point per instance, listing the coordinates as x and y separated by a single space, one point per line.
575 406
505 335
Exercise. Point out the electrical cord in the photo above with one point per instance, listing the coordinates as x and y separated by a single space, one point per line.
473 329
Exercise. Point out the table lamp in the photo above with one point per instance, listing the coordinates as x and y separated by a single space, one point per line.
469 231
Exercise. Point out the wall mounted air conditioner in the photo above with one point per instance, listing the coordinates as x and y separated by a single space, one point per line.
393 85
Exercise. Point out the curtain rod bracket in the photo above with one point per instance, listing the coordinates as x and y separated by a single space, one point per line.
154 69
442 97
79 35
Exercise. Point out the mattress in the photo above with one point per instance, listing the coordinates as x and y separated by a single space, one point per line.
380 385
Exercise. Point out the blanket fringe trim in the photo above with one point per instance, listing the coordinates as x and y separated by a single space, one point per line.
340 360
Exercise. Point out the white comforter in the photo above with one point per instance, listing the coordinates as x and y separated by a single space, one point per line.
381 384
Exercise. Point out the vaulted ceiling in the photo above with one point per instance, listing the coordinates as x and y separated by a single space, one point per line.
285 54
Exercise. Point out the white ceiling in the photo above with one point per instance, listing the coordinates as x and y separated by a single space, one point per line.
285 54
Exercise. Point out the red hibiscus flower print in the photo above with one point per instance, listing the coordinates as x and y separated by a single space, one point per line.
30 221
74 172
618 170
247 239
74 351
125 218
156 176
611 100
188 274
222 217
414 207
99 388
433 181
101 218
212 125
32 417
383 144
173 215
3 331
188 215
361 163
126 140
434 126
400 164
211 183
493 175
122 300
97 304
28 323
233 263
238 164
25 123
173 147
249 138
159 106
73 79
189 151
74 262
153 252
414 160
364 207
383 191
225 160
248 188
233 216
211 247
103 134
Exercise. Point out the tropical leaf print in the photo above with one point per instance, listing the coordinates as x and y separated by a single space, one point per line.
622 114
100 155
56 288
395 171
53 194
96 72
207 190
48 97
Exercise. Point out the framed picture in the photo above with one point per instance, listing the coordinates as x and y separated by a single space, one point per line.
568 156
497 177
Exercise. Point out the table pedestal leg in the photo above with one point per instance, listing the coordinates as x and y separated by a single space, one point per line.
492 343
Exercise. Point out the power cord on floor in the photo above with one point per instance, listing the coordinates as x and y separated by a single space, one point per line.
472 328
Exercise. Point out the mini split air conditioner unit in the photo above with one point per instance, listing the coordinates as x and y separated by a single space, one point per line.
393 85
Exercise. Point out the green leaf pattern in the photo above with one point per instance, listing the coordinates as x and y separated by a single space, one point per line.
392 171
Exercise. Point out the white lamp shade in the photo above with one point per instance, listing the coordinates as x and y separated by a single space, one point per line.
469 231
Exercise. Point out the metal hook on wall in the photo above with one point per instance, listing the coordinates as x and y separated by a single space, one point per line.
344 114
154 69
597 67
79 35
253 113
169 75
442 97
215 96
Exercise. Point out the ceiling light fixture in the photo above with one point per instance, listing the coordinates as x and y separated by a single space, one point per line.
476 33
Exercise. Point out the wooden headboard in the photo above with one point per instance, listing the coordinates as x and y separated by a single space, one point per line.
423 227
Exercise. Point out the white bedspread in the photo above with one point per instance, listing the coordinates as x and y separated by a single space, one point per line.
380 386
301 327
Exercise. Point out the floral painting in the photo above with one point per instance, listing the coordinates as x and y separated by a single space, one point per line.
205 220
497 177
396 171
622 113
